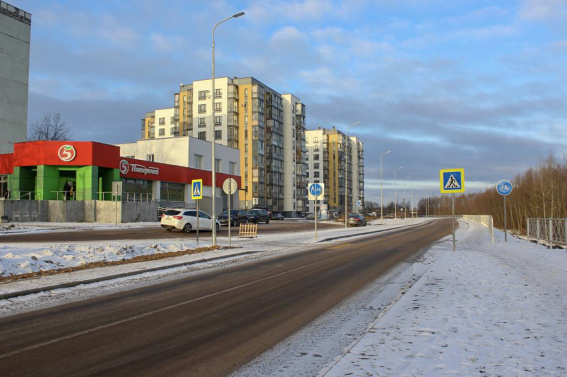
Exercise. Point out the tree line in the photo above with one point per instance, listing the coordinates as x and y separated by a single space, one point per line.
540 191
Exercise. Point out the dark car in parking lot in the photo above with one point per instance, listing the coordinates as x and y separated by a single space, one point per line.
237 216
278 216
262 215
265 208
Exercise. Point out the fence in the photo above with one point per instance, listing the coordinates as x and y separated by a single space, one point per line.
248 230
486 220
547 230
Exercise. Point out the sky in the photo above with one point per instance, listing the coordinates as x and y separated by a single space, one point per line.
478 85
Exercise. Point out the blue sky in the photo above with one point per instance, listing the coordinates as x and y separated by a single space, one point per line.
479 85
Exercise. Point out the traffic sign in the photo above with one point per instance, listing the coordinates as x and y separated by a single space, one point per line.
197 189
316 191
229 186
504 187
452 180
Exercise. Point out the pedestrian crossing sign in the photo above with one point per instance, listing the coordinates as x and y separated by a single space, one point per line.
452 180
197 189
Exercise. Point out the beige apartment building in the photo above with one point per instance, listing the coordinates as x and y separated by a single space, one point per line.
267 127
326 164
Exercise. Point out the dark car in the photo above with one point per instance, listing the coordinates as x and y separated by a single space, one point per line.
278 216
253 217
262 215
354 219
237 216
266 208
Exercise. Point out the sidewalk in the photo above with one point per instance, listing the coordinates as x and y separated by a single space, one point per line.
488 309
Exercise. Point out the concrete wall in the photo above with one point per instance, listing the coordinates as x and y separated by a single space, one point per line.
78 211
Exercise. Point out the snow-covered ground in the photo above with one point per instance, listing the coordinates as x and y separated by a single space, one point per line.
487 309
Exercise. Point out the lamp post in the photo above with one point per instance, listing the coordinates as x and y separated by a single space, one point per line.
346 172
381 197
396 192
405 212
213 160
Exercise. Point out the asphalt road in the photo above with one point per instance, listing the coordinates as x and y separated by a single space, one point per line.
150 233
205 325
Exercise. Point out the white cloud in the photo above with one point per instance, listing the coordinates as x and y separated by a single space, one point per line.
541 10
288 33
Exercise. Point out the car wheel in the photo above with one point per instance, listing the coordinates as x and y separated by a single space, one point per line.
187 228
169 229
268 221
233 223
218 228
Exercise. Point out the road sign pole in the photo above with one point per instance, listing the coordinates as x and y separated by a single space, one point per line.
453 211
229 217
198 215
505 225
316 218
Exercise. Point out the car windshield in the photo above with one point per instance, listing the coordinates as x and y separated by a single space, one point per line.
232 212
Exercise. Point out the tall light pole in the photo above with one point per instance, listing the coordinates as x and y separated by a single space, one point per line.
213 160
405 212
346 171
381 197
396 192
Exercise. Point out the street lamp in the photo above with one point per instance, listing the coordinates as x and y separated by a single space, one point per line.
346 172
381 197
213 162
396 192
405 212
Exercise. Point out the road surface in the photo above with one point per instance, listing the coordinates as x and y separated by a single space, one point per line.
204 325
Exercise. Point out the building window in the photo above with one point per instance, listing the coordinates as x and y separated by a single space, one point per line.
316 157
218 134
316 165
218 106
198 161
315 174
202 94
150 157
161 121
316 148
217 164
202 108
202 122
202 135
218 120
162 132
315 140
218 93
232 167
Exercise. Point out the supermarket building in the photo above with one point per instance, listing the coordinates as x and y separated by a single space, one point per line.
76 181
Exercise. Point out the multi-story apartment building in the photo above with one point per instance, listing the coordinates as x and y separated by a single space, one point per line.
15 29
326 164
245 114
295 151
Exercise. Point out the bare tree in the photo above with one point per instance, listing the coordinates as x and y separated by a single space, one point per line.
49 127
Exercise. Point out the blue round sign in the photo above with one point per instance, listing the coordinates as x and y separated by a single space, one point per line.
315 189
504 187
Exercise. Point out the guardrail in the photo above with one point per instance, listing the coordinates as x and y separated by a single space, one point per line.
548 231
486 220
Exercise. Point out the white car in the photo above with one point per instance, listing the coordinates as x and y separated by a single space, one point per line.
186 220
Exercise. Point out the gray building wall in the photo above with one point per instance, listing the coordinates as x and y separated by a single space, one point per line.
15 31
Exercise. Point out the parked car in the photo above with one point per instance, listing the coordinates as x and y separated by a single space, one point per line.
311 216
354 219
253 217
186 220
266 208
237 216
278 216
262 214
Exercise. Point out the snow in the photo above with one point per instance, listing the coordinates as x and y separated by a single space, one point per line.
493 309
